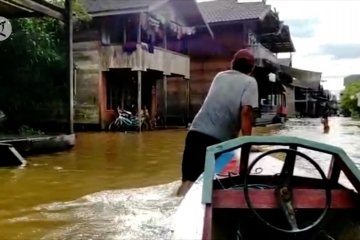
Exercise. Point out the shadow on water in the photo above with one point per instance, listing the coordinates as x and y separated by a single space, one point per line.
120 186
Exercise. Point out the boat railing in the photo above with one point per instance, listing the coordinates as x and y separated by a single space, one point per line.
340 160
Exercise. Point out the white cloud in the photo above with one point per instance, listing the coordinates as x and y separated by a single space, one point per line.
335 22
335 25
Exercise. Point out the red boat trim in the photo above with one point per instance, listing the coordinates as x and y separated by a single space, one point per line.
302 199
207 230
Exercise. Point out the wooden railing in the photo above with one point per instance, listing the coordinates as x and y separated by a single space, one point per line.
141 59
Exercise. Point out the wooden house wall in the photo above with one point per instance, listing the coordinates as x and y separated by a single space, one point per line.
202 73
87 35
176 90
176 97
169 12
86 58
232 37
85 32
204 70
225 43
210 56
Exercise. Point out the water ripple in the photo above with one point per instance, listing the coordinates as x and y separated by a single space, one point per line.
141 213
127 214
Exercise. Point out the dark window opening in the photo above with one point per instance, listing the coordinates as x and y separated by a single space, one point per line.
120 89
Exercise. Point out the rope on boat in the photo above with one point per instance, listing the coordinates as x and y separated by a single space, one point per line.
230 175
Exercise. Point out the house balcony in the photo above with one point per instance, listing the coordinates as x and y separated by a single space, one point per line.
262 53
139 58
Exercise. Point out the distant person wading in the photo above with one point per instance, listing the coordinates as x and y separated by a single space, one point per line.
227 109
325 118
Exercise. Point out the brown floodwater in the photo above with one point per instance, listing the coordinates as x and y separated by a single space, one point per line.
117 185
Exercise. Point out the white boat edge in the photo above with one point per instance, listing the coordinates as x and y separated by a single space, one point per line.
188 220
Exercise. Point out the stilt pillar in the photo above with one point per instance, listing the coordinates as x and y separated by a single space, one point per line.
139 99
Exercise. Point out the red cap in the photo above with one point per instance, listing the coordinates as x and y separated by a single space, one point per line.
245 54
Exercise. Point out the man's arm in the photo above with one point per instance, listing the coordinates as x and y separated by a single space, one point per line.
246 121
249 100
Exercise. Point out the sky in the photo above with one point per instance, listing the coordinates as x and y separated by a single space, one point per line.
326 35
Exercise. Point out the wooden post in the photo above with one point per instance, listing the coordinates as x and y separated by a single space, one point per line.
306 102
139 76
74 77
165 85
187 102
165 99
123 94
139 99
124 35
69 32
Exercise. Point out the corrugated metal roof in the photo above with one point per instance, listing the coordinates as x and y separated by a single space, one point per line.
230 10
303 78
188 9
93 6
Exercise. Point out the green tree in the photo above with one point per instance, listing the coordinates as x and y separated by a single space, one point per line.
349 100
33 75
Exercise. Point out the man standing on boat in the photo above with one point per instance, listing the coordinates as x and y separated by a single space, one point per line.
227 109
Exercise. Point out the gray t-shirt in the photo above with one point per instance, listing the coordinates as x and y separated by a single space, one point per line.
219 115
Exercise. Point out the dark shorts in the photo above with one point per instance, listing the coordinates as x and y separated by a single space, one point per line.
325 115
194 154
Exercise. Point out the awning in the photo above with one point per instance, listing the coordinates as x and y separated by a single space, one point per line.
278 41
261 53
29 8
303 78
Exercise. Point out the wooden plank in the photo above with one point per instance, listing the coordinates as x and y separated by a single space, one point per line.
50 5
87 46
38 7
139 107
9 156
303 199
9 7
70 62
165 89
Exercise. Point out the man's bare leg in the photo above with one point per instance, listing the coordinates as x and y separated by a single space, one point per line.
186 185
184 188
